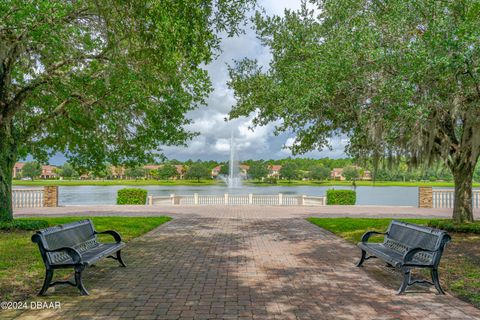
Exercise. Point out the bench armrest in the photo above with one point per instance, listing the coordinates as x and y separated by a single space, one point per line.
368 234
113 233
73 253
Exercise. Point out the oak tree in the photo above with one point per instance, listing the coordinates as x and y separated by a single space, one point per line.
400 79
103 81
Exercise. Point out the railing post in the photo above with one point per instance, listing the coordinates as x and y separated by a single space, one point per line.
280 199
195 198
303 199
50 196
150 200
226 198
425 197
172 196
250 198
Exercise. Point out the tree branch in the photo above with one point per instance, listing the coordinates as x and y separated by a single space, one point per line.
59 111
15 105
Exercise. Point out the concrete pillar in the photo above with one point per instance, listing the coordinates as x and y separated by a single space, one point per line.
172 196
425 197
250 198
303 199
150 200
195 198
50 196
226 198
280 199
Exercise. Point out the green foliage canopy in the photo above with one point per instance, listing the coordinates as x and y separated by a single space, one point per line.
67 171
289 171
31 169
258 170
351 173
167 171
135 172
198 171
319 172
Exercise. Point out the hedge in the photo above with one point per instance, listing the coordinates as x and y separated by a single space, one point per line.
23 225
450 226
341 197
132 196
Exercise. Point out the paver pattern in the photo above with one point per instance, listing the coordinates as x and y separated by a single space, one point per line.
238 264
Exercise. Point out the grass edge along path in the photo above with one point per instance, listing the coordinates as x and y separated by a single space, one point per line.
21 267
460 265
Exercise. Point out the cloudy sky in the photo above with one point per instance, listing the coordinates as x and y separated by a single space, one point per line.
214 139
213 142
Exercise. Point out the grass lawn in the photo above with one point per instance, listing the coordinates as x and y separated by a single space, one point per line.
460 265
115 182
21 267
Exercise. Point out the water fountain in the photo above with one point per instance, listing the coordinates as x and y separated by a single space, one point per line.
234 179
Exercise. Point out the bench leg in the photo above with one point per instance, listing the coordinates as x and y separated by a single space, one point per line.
406 280
119 258
362 259
78 280
436 280
46 282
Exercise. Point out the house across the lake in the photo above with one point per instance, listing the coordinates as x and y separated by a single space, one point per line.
17 169
274 171
216 171
243 170
48 171
337 174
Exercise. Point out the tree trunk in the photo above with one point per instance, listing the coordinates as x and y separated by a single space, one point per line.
462 208
8 155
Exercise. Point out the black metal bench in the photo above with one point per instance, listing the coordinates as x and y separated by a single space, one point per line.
74 245
407 246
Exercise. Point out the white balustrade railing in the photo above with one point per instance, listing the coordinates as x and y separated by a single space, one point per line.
444 198
237 199
27 198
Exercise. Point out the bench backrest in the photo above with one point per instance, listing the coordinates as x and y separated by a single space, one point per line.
404 236
79 235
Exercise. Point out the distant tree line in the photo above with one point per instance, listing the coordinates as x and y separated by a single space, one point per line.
292 169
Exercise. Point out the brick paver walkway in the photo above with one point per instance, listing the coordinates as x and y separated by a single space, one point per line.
230 266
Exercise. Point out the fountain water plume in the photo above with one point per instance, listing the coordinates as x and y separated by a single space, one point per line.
234 179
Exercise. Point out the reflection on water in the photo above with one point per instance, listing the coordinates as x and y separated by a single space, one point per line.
89 195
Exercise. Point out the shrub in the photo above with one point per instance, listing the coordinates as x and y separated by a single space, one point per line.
341 197
131 196
450 226
23 225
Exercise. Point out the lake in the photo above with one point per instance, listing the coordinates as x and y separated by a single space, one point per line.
97 195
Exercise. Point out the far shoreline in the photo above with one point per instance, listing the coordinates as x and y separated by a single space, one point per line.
293 183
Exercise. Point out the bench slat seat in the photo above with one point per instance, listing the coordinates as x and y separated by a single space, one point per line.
386 254
406 246
74 245
94 254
